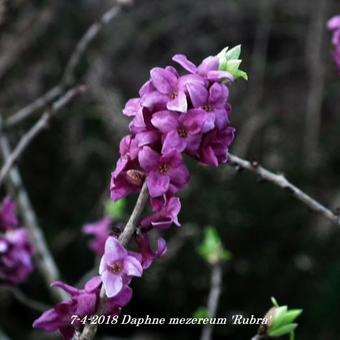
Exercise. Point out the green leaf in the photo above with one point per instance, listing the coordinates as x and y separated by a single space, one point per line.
212 249
274 302
233 65
234 53
282 330
201 313
115 210
287 318
241 74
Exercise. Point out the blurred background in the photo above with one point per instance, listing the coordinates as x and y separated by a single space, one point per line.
287 118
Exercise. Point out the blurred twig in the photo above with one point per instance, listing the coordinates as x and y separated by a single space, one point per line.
281 181
33 26
90 329
41 124
3 335
259 337
213 299
21 297
68 76
255 121
316 69
43 257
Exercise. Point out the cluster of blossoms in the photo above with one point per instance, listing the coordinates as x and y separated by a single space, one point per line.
174 115
334 26
83 303
15 248
117 267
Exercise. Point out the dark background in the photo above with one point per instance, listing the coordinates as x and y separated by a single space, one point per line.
286 115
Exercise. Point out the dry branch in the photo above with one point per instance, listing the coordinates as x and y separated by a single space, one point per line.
90 330
41 124
281 181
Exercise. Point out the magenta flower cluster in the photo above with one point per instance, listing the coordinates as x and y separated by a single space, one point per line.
174 115
15 248
333 25
82 303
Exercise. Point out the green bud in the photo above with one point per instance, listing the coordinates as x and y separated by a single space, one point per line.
230 62
234 53
115 210
201 313
212 249
281 320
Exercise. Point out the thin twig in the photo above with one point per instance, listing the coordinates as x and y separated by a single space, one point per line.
41 124
316 68
35 25
259 337
213 299
255 121
3 335
43 257
27 301
69 72
281 181
90 330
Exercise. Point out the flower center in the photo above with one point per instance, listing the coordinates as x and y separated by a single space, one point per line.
117 268
173 95
208 107
135 177
163 169
182 132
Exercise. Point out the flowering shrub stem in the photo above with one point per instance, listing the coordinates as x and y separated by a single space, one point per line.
27 301
281 181
90 330
68 77
259 337
43 256
213 299
41 124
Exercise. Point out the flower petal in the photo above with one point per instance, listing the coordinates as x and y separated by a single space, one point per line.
163 80
148 158
165 121
219 76
173 141
198 94
112 283
114 251
157 184
179 104
132 266
185 63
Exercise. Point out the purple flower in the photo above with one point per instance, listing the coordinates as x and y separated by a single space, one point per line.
170 90
182 132
83 302
167 90
209 68
215 144
117 267
101 231
164 172
15 256
148 255
333 25
8 219
213 101
127 178
165 213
